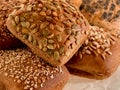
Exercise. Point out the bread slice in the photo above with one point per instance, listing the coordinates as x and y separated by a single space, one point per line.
20 69
54 30
98 57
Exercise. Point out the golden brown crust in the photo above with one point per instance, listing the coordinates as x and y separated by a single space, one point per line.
101 12
97 62
77 2
58 82
85 74
59 33
22 70
115 25
7 40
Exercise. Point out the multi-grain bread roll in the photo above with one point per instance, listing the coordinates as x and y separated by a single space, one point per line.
102 13
7 40
53 29
98 57
20 69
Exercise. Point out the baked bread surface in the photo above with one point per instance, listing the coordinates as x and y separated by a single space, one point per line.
101 13
20 69
98 57
77 2
54 30
7 40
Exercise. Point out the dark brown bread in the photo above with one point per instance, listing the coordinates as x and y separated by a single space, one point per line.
102 13
7 40
98 57
20 69
54 30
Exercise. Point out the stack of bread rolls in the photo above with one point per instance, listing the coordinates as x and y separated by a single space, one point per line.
42 35
37 37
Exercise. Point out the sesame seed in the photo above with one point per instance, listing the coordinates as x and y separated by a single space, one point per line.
15 62
6 74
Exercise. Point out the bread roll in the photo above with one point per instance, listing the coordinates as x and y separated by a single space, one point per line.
20 69
98 57
53 29
7 40
102 13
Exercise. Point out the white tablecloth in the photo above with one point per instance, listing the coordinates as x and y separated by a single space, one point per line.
80 83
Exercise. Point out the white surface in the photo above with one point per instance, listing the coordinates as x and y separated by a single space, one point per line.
79 83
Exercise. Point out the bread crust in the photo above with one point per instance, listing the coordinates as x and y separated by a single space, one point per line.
7 40
101 13
57 83
95 66
77 2
69 42
9 81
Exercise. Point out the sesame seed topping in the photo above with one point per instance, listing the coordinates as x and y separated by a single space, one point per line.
26 68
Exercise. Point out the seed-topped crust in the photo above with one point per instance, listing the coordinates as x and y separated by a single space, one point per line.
109 9
98 43
101 12
98 57
7 40
47 26
20 69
